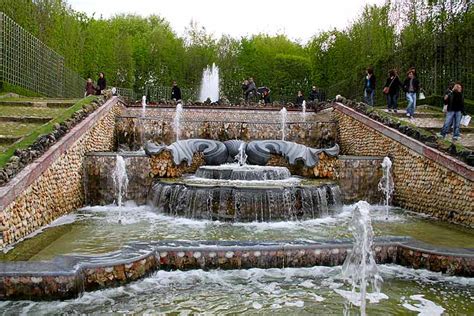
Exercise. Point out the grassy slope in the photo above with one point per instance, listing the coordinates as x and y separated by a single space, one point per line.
43 129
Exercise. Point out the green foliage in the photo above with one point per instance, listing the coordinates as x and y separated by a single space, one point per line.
43 130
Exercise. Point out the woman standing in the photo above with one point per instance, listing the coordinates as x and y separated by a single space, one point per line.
411 86
101 83
369 87
392 89
455 102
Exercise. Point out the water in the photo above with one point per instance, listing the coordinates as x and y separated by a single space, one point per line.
241 157
286 291
303 109
386 184
144 106
283 119
210 84
120 179
360 268
177 120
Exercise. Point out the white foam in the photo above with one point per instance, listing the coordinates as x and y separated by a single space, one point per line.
425 307
354 297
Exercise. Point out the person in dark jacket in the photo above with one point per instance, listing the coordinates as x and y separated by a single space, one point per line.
411 86
455 101
90 89
369 87
393 84
175 92
299 99
265 94
314 95
251 91
245 85
101 83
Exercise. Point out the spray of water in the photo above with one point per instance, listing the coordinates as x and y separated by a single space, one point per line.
241 156
144 106
360 268
177 120
303 107
210 84
283 118
120 178
386 184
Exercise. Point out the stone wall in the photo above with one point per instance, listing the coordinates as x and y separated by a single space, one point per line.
313 130
53 185
426 180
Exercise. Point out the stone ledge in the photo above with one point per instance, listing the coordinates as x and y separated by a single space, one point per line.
446 161
61 277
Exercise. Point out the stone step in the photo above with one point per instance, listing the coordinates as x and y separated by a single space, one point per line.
25 119
40 103
7 140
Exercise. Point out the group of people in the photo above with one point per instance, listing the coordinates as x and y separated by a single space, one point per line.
453 98
92 89
314 96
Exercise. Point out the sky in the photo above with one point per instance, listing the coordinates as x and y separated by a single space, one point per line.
298 19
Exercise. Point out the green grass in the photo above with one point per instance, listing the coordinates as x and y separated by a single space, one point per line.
43 129
5 87
29 111
17 128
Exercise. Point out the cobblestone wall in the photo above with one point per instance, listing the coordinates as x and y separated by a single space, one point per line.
53 185
426 180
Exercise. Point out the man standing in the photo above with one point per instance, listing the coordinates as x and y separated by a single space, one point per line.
175 92
369 87
314 95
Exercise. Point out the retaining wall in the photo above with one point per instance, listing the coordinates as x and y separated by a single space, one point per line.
426 180
52 185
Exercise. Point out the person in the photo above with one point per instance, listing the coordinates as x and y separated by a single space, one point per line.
299 99
90 89
265 94
175 92
411 86
393 85
314 95
101 83
245 86
455 110
251 89
369 87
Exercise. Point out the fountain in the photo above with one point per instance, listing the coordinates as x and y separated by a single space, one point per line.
120 179
386 184
360 268
177 120
303 109
210 84
144 106
283 118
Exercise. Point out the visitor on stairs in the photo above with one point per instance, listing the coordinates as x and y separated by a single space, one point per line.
392 89
455 110
175 92
411 86
101 83
369 87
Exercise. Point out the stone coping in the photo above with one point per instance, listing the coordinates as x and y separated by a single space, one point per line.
113 154
219 107
437 156
352 157
67 276
30 173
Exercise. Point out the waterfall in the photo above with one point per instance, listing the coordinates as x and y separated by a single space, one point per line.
283 118
303 108
386 184
177 120
241 156
360 268
120 179
210 84
144 106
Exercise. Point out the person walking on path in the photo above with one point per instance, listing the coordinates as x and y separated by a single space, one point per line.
175 92
101 83
411 86
369 87
391 90
455 110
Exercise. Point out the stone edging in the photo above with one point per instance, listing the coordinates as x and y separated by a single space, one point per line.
441 158
68 276
30 173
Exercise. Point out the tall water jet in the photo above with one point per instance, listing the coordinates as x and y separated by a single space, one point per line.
120 178
144 106
303 109
210 84
177 120
241 156
360 268
283 118
386 184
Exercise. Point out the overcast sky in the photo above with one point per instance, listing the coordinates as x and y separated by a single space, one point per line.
299 19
